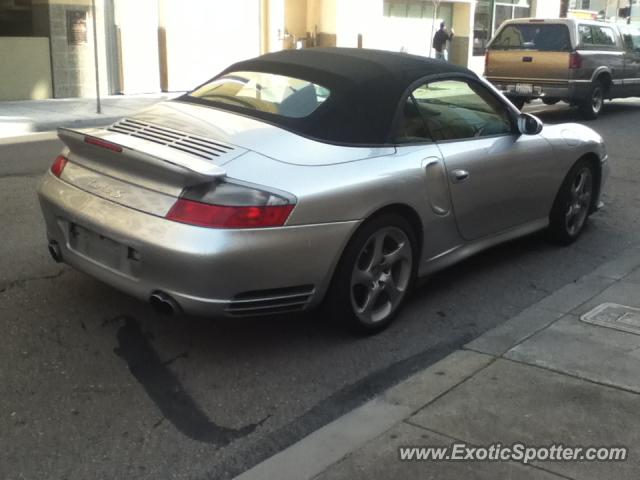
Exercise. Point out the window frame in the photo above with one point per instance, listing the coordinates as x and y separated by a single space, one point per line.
598 46
518 25
513 115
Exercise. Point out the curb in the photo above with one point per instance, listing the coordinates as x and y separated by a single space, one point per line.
28 137
313 454
51 128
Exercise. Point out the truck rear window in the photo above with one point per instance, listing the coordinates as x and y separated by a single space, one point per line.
529 36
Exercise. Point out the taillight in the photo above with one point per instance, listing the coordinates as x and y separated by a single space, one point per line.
58 165
231 205
575 61
219 216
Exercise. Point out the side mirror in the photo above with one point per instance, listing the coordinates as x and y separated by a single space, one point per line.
529 124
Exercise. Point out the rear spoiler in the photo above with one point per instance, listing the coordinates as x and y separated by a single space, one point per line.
153 154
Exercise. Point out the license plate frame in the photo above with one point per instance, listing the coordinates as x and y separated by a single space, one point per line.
97 248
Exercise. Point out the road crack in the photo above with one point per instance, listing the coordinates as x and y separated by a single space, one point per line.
22 281
21 175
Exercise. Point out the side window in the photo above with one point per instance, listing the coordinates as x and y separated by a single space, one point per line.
456 109
631 39
412 127
586 37
603 36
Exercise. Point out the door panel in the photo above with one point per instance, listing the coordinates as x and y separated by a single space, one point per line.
510 181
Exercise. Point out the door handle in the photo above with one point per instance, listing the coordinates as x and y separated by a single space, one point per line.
459 176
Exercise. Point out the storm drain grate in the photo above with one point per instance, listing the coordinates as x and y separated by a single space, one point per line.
613 315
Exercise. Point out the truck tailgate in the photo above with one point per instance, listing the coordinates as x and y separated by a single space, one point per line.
527 65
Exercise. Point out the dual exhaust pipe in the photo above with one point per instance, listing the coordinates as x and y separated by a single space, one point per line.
161 302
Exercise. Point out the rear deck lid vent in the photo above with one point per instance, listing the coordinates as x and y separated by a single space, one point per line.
193 144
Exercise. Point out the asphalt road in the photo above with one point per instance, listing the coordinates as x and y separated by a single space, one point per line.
93 384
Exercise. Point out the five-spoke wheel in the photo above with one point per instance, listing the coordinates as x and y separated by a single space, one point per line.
381 274
573 204
375 273
579 201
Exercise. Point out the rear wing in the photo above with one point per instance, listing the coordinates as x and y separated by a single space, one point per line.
127 151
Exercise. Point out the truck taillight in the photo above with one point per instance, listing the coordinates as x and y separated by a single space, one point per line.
575 61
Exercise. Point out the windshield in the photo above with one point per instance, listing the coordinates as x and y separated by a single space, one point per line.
265 92
528 36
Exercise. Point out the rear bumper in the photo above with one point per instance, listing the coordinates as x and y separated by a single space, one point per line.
207 271
571 91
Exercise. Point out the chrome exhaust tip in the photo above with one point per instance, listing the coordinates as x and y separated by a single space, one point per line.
163 303
54 251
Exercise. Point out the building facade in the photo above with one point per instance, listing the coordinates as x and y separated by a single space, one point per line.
147 46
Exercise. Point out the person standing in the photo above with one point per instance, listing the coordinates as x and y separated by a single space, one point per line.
440 40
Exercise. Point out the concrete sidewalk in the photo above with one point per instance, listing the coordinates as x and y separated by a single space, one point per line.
29 116
544 377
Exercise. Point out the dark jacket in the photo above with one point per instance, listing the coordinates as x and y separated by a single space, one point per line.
440 39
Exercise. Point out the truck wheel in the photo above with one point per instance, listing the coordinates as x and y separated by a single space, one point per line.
592 106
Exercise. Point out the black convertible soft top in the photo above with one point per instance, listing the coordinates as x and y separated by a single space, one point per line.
366 87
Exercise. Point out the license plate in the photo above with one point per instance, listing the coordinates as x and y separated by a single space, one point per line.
97 247
524 88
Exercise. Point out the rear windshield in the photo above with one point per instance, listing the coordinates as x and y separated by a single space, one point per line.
529 36
264 92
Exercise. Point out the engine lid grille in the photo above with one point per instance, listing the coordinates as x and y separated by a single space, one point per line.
193 144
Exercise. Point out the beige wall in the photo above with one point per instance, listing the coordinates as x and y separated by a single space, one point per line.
322 17
275 16
137 24
201 46
25 80
462 19
295 17
461 46
411 35
359 17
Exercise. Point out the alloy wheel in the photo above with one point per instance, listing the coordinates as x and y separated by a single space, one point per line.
381 275
579 201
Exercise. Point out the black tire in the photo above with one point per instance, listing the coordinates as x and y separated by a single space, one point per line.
341 301
518 102
567 221
592 106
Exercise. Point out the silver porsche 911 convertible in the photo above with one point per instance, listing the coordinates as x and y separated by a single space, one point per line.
309 177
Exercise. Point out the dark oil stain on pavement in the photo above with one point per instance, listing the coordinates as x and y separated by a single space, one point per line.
337 404
166 391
